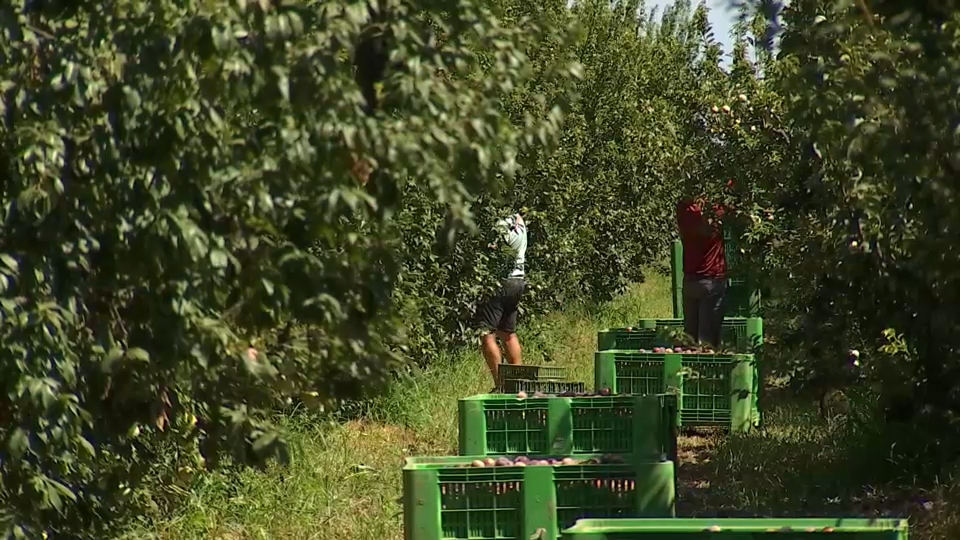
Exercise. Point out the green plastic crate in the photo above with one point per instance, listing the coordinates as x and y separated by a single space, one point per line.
737 529
443 500
714 389
745 334
532 372
513 386
731 248
742 298
676 278
498 424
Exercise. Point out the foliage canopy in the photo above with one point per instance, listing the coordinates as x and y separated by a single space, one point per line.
319 179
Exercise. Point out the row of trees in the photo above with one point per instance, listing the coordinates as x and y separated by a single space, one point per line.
848 161
319 180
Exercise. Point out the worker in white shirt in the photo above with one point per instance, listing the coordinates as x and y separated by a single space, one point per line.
498 315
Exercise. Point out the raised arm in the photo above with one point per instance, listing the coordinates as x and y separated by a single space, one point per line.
510 229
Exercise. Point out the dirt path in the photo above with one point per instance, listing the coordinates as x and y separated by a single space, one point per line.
695 476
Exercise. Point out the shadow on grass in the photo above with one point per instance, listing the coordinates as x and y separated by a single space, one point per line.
803 466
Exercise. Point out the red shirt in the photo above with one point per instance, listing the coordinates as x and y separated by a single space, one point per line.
703 252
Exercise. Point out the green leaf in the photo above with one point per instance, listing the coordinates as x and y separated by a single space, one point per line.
138 355
218 258
60 490
18 443
110 359
264 442
10 263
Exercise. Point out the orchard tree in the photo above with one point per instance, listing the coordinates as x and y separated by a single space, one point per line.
600 197
198 205
883 154
604 197
862 155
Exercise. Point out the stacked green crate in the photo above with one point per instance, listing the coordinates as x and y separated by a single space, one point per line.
499 424
713 389
515 386
613 456
743 334
743 297
532 372
676 278
536 379
447 498
738 529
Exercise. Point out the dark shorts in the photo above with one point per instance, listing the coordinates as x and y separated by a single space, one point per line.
703 309
500 311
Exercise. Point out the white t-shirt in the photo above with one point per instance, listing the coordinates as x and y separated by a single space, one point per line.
515 234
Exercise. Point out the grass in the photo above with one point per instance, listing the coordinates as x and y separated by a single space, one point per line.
344 481
804 466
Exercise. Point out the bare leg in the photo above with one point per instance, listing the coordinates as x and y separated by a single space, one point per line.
491 352
511 346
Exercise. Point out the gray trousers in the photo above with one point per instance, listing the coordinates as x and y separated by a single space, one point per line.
703 309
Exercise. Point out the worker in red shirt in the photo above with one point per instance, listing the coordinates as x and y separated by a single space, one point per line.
704 269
